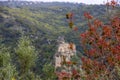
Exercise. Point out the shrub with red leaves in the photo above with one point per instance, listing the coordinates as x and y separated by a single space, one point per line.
103 53
101 45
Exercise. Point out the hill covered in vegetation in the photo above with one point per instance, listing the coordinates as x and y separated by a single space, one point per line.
43 23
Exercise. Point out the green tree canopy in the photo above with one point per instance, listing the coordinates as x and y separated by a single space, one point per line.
26 57
7 69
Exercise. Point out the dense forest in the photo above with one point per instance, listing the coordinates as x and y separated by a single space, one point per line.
29 27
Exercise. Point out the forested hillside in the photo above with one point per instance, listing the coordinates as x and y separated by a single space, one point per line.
46 19
43 23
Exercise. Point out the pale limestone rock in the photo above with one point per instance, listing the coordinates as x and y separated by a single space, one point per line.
64 52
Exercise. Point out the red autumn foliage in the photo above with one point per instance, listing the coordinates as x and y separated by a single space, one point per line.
75 29
62 75
71 46
92 52
74 72
97 23
69 63
107 30
113 3
115 22
88 16
103 52
101 45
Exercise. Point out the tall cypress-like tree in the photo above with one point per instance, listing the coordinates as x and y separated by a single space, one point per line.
26 57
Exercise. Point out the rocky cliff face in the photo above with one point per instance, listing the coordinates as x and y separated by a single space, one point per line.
64 53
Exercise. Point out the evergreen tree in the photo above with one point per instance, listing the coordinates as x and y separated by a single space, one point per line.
26 57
